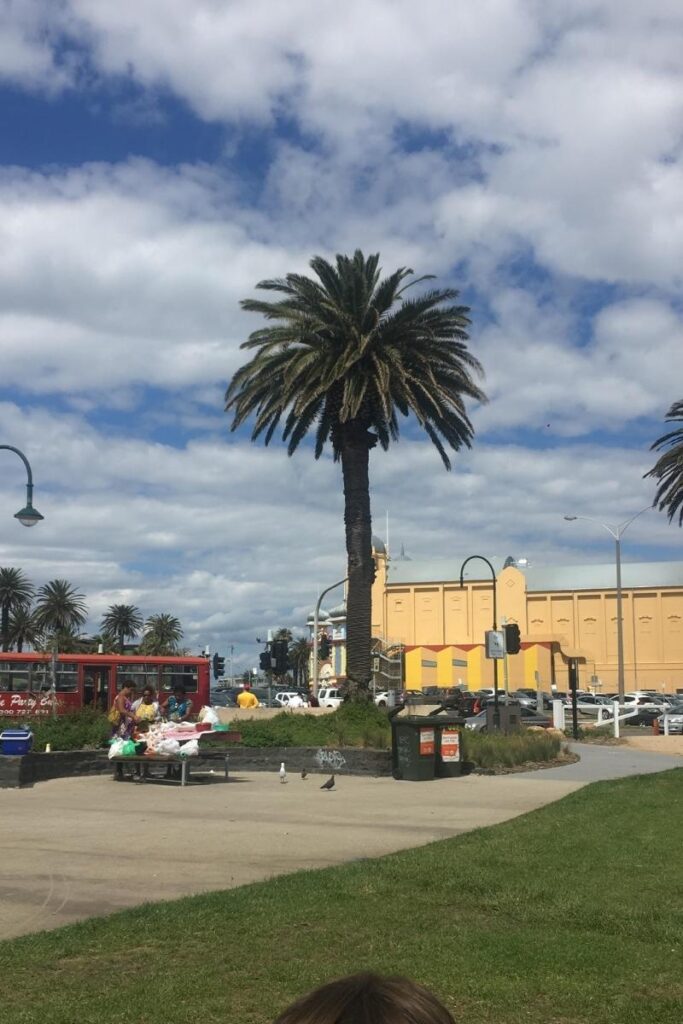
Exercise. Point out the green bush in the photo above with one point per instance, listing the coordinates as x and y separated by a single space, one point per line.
490 751
75 730
351 725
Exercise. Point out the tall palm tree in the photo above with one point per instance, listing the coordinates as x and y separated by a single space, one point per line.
123 621
24 629
60 609
345 356
16 592
162 634
668 469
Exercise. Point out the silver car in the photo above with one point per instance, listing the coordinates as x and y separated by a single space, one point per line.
675 719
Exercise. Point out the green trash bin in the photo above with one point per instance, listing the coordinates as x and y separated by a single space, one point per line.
413 745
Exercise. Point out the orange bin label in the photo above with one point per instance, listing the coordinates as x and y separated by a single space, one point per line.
450 745
426 742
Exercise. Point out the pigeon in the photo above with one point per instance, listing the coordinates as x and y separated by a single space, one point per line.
283 772
304 773
329 784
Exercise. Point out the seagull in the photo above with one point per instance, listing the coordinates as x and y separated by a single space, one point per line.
283 772
329 784
304 773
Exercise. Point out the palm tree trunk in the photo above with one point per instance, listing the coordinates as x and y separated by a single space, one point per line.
355 458
4 627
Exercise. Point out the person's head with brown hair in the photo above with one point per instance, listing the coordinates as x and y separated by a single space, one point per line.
367 999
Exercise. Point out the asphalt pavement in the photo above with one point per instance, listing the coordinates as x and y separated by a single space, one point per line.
75 848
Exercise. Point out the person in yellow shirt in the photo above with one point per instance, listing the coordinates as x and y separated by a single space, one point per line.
247 699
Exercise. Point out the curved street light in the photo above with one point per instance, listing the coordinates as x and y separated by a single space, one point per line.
316 615
496 709
616 533
27 516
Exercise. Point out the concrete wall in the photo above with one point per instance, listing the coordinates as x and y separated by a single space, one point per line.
16 772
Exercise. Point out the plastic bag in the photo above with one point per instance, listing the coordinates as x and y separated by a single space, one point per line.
190 749
169 748
128 749
115 748
208 714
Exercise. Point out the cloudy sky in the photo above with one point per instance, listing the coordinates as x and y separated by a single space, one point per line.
159 158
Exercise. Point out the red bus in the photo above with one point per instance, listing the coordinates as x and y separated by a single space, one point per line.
92 680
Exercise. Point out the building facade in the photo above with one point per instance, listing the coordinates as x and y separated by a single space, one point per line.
563 612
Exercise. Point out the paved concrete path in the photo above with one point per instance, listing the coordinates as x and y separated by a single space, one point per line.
74 848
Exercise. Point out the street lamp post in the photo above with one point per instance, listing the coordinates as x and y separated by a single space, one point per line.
316 615
27 516
616 533
496 711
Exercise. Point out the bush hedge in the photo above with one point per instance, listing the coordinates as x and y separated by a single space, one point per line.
75 730
351 725
489 751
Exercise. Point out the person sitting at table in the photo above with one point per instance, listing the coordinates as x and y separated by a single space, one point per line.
178 707
247 699
146 708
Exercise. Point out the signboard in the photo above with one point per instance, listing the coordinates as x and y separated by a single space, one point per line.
495 643
375 664
20 704
426 742
450 745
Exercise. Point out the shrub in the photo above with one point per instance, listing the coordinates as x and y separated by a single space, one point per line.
75 730
351 725
487 750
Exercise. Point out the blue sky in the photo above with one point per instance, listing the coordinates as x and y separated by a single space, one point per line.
157 161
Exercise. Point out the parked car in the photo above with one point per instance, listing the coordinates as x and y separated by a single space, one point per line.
387 698
289 699
478 723
330 697
645 701
590 704
675 719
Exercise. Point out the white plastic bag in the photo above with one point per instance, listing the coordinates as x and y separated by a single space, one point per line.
209 715
168 748
190 749
115 748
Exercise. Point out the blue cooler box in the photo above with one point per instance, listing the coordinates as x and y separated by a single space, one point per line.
16 741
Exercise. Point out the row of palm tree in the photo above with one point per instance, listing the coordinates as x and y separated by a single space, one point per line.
54 613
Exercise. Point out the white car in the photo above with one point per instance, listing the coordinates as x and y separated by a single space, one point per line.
590 704
645 701
387 698
330 697
289 699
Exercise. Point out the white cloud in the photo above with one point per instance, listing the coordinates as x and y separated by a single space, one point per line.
235 539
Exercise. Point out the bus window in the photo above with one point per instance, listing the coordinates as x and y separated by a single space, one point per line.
139 675
180 675
67 678
22 677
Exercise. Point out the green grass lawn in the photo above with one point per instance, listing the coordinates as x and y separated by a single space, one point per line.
572 913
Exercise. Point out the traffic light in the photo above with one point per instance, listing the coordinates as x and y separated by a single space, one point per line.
323 647
218 666
512 638
280 656
264 661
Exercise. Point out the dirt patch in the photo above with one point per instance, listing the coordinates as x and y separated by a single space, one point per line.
530 766
656 744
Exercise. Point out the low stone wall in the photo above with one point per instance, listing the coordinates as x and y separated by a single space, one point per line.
28 769
344 761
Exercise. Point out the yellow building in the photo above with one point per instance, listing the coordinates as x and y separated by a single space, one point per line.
562 611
